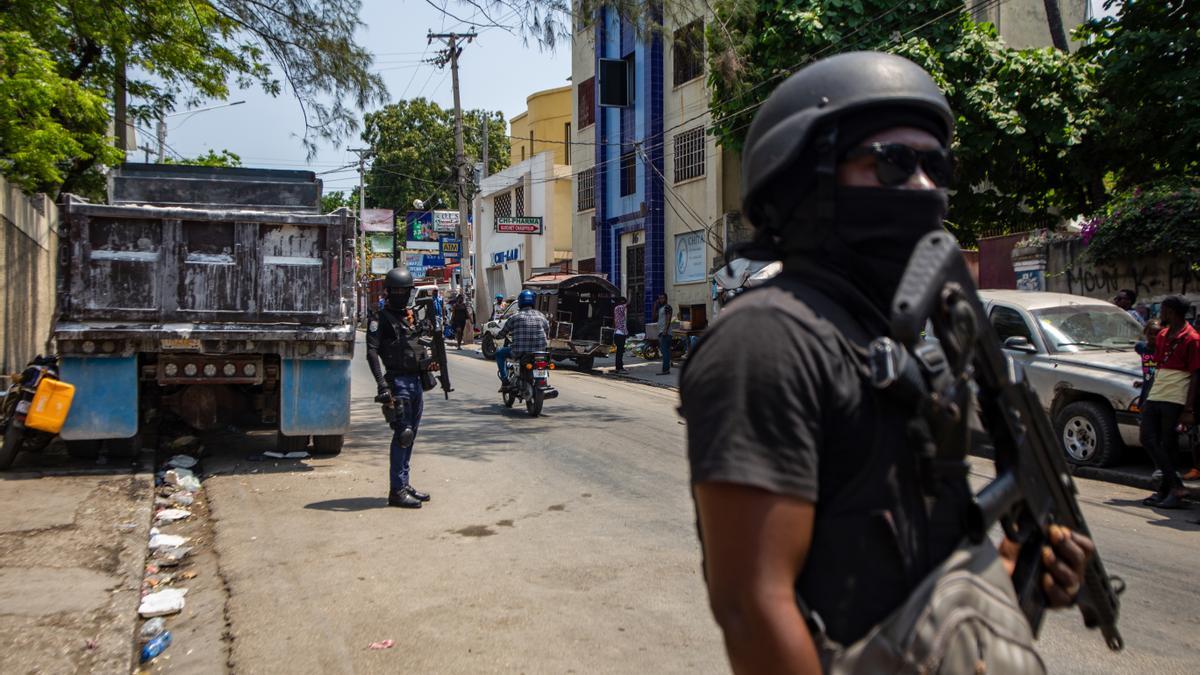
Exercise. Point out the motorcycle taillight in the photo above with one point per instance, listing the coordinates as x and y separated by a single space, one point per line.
541 365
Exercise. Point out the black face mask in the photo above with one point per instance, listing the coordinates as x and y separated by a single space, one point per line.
875 231
397 300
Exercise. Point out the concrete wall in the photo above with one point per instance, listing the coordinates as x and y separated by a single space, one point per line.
583 156
1022 23
28 271
1068 271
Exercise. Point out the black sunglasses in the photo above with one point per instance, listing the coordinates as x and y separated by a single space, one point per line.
895 163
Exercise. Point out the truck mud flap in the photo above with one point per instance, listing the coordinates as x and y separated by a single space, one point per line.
106 397
314 397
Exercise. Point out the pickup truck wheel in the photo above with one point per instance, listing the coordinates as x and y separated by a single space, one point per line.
1089 435
585 364
83 449
290 443
488 345
329 446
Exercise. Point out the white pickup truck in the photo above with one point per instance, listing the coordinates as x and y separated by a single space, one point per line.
1078 354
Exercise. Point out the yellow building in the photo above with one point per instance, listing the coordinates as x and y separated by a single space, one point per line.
545 126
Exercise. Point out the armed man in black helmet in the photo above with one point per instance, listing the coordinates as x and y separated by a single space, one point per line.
401 366
814 523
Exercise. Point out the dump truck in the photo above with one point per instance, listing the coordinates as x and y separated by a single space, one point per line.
216 297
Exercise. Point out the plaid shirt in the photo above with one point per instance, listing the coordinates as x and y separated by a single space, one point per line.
528 328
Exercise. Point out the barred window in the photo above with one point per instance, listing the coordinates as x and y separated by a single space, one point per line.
587 103
503 205
587 188
689 154
688 55
628 172
519 200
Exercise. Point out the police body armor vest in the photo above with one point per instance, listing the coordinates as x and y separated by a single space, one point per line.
403 354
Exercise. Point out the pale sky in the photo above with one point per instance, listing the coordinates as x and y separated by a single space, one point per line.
496 72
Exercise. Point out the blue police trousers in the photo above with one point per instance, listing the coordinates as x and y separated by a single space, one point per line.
410 403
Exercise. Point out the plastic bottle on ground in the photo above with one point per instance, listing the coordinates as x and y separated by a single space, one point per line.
152 628
156 646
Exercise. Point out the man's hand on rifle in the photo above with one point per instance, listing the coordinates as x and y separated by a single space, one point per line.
385 397
1064 561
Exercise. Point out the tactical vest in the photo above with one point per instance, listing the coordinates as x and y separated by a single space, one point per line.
402 352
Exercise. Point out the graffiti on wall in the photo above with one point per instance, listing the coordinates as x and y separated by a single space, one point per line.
1149 279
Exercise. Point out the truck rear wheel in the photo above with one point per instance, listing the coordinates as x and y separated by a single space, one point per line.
284 443
329 446
1088 433
585 364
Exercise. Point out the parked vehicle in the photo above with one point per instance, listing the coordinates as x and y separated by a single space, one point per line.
18 404
491 328
740 275
1078 355
529 381
221 296
579 308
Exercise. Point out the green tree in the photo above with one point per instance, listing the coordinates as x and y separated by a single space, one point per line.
412 150
1024 116
332 201
174 54
210 158
47 121
1149 88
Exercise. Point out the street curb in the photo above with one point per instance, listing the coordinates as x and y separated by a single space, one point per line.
1118 476
629 378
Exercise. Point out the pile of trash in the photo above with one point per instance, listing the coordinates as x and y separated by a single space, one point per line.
177 487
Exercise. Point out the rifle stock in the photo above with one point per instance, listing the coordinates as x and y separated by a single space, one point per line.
1033 488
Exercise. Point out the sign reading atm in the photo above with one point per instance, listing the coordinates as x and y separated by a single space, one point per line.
519 225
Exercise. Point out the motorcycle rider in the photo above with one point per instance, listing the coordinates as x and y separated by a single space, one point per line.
396 358
528 328
807 495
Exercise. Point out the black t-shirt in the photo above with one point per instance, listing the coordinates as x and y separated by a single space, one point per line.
775 399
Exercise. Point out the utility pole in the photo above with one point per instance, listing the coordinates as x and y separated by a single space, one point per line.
450 55
1054 20
360 254
120 121
161 132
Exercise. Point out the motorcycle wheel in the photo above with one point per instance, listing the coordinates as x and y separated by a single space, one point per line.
533 404
12 445
488 345
509 399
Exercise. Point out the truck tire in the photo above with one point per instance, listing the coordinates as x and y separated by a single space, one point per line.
285 443
585 364
83 449
1088 433
488 345
329 446
12 445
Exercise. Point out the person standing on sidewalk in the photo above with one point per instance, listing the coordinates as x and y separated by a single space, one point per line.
662 310
620 331
458 318
1172 399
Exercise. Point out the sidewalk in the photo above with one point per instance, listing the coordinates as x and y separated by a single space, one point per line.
641 370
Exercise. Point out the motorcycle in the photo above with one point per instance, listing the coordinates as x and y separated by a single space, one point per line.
529 381
14 409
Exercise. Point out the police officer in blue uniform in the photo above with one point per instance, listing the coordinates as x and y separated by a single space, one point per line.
400 364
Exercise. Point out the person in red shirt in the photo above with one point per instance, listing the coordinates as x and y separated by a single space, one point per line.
1172 399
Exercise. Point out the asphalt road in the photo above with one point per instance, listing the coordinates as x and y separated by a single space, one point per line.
559 544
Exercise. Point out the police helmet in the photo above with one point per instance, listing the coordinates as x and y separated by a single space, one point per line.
822 110
525 299
398 277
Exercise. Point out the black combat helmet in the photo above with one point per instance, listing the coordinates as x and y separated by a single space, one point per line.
398 277
816 114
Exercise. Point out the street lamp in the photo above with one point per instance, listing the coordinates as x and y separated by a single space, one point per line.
162 123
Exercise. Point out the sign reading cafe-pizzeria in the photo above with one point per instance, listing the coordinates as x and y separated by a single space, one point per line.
519 225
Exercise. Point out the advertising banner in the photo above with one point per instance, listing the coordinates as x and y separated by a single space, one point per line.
420 235
381 243
445 222
381 265
519 225
689 257
451 248
433 260
378 220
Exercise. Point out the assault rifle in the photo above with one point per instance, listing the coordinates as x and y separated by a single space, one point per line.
431 329
1032 489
